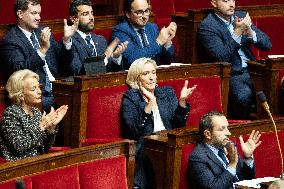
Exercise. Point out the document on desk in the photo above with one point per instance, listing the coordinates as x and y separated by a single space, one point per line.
255 183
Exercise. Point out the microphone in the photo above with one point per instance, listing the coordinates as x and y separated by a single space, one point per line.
262 98
20 184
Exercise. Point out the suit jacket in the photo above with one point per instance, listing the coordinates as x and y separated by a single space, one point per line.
80 51
125 32
21 136
207 172
17 53
136 123
217 44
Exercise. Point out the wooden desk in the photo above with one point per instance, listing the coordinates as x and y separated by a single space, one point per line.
266 77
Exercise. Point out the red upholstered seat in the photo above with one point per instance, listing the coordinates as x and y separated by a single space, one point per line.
266 156
186 151
54 9
103 120
104 32
67 178
276 1
252 2
271 26
205 98
163 8
104 174
7 15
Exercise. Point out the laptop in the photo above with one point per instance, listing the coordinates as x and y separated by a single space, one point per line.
94 65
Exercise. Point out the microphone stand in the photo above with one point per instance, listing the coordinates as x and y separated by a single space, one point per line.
266 108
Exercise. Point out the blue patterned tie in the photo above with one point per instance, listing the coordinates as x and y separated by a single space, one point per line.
88 40
221 154
35 44
142 34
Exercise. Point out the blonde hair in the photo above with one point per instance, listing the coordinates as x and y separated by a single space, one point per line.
15 84
136 69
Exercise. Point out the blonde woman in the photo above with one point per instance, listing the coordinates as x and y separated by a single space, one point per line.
25 132
147 108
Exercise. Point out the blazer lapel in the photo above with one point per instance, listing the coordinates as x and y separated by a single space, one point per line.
82 41
24 40
213 157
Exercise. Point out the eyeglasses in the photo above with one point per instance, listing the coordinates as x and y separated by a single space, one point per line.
146 12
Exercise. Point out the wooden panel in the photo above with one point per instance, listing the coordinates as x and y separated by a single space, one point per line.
74 93
165 149
46 162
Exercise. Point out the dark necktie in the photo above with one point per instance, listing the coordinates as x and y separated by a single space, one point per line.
221 154
143 37
35 44
91 47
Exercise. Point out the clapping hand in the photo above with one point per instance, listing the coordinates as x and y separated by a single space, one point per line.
149 98
50 120
251 144
185 93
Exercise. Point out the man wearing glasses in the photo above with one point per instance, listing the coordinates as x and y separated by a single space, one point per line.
144 38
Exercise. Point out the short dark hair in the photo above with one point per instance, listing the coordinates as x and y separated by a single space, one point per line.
127 5
206 123
23 5
73 11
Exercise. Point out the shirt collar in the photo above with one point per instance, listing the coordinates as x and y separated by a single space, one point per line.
82 34
26 33
212 148
225 21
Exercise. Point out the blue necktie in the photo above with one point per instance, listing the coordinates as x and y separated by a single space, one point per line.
35 44
91 47
221 154
143 37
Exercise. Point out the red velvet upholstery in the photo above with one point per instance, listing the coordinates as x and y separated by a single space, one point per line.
163 8
7 15
252 2
103 120
186 151
161 22
54 9
183 6
271 26
266 156
205 98
2 108
104 174
58 149
104 32
276 1
67 178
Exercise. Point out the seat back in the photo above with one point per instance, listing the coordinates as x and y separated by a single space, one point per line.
206 97
103 112
183 6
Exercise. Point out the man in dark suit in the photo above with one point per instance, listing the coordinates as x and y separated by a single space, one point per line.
215 163
27 45
144 38
226 35
85 43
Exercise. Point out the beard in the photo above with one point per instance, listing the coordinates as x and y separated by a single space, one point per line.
86 28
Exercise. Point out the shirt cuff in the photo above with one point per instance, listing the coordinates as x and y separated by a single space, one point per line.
249 161
231 170
117 60
167 46
41 55
105 60
238 39
254 38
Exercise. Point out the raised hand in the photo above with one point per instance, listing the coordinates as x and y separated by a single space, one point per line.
172 28
185 93
251 144
69 31
110 48
45 40
163 36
